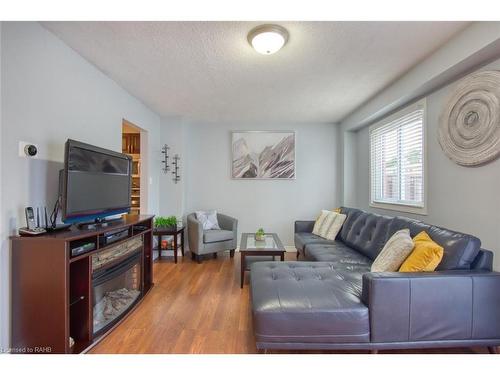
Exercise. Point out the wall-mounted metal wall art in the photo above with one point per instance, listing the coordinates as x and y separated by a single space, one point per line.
164 151
175 166
469 128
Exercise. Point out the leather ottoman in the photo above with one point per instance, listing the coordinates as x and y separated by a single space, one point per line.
307 302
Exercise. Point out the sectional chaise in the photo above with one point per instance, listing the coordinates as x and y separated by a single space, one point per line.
333 301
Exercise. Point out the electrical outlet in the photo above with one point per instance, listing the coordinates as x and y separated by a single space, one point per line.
28 150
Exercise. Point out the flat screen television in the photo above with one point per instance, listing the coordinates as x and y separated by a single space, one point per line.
96 183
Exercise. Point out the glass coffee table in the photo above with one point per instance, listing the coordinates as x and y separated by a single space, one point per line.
249 246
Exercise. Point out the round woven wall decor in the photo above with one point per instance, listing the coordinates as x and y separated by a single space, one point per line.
469 127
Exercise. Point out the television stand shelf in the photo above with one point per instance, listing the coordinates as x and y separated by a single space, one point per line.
56 297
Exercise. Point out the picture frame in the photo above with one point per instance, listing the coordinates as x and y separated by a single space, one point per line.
263 155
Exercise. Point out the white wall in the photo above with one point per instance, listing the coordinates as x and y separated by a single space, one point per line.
460 198
271 204
49 94
3 264
172 195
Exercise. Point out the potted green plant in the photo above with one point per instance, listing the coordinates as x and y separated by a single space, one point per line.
259 235
169 222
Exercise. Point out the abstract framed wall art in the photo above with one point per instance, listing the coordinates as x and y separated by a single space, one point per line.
263 155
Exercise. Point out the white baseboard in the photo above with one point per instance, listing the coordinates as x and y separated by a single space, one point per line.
289 249
170 253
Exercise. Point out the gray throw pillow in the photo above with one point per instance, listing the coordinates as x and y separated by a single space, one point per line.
208 219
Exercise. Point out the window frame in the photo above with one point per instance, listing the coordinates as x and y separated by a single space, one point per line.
402 207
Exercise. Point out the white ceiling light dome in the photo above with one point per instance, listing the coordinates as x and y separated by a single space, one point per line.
268 39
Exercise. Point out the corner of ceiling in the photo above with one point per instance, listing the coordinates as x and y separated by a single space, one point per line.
472 47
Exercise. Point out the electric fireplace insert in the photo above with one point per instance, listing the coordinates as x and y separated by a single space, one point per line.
116 283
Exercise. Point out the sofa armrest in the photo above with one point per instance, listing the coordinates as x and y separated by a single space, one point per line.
195 234
302 226
429 306
483 261
227 222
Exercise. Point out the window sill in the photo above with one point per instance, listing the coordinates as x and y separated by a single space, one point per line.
400 208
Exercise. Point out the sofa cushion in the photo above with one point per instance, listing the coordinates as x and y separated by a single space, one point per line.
365 232
483 261
415 226
307 302
339 253
460 249
352 214
302 239
217 235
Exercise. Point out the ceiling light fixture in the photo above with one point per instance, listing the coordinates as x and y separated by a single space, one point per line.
268 39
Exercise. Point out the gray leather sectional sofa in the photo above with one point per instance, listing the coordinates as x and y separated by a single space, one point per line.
333 301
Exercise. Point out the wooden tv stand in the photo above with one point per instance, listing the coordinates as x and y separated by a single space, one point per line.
52 291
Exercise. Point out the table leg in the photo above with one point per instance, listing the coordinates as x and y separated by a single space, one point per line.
159 247
242 268
182 242
282 257
175 248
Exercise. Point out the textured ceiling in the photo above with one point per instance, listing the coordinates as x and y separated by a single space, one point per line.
206 71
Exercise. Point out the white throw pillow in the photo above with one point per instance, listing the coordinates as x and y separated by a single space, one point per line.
394 253
328 224
319 222
208 219
335 226
329 219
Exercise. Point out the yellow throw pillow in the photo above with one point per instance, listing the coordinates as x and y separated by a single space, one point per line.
425 257
337 210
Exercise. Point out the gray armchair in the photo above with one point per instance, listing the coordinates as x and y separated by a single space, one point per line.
211 241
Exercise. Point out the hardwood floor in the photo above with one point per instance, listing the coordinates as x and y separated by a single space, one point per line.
198 308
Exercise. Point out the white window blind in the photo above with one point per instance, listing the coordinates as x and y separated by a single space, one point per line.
397 159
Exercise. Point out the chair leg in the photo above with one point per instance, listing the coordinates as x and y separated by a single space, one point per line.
231 253
298 254
193 255
493 349
215 255
198 258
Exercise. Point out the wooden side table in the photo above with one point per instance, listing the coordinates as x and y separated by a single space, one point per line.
271 246
174 232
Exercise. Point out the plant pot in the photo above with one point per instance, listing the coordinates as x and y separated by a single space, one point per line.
260 237
168 229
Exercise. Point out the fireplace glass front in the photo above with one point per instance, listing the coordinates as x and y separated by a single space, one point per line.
115 290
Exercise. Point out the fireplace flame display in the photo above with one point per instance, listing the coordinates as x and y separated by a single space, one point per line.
117 285
112 305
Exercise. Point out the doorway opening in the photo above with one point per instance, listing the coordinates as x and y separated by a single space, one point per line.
134 142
